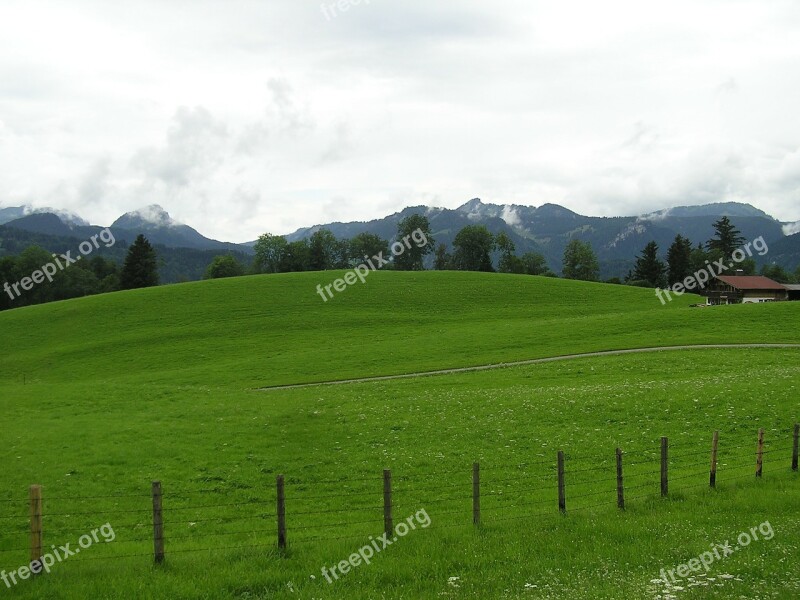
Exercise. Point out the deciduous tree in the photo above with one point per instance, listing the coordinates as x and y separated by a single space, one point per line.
473 247
580 261
269 253
222 266
412 259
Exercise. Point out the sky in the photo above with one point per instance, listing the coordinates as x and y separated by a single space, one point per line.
243 117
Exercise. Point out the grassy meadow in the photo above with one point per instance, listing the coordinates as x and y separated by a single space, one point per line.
102 395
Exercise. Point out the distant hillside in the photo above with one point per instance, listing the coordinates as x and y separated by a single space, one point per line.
156 224
549 228
175 264
152 221
546 229
17 212
786 252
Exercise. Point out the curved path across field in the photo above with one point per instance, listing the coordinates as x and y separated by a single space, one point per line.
518 363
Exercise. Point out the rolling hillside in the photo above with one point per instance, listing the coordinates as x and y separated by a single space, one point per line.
103 395
276 329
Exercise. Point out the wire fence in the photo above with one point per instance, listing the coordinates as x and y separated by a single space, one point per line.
300 511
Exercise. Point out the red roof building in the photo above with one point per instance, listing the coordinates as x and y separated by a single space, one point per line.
742 289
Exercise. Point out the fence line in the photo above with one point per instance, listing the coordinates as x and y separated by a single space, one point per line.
502 494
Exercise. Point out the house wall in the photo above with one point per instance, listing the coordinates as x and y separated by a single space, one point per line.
756 296
746 297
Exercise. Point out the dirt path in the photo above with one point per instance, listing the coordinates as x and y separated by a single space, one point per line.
518 363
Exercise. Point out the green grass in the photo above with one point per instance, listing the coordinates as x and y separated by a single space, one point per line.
255 331
102 395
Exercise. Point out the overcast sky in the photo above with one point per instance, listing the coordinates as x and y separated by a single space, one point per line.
243 117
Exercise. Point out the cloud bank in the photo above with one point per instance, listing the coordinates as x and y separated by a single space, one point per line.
244 117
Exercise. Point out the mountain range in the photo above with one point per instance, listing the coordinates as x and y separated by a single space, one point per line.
546 229
153 221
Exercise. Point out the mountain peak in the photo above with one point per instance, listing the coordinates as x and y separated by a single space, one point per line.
716 209
554 211
472 206
149 216
68 218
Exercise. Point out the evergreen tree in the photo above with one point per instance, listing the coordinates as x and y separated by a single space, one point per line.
727 239
141 266
648 268
679 260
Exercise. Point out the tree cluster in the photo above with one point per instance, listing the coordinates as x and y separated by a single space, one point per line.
323 251
85 277
683 260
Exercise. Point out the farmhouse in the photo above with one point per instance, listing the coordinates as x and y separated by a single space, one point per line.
738 289
794 291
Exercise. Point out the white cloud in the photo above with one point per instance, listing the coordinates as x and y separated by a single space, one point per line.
791 228
266 116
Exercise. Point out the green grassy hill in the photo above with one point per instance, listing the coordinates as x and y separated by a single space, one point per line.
259 331
102 395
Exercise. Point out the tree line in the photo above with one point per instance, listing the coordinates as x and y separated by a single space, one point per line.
683 259
95 275
473 249
323 251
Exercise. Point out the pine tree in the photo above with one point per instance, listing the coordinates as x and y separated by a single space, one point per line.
648 268
727 239
141 266
679 260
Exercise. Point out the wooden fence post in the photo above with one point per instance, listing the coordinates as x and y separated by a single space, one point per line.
712 480
281 513
36 524
664 467
158 524
562 499
476 494
795 446
760 453
620 488
388 523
